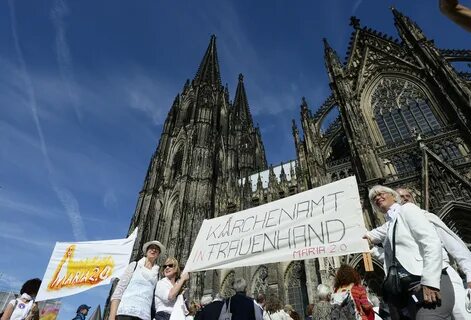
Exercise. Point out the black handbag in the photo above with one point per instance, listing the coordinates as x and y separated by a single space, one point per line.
392 287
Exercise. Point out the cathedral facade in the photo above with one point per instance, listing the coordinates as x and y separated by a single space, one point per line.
401 115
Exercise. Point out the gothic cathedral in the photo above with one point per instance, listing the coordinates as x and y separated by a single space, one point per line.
402 118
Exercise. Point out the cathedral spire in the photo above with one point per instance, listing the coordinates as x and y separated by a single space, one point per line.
406 27
241 104
208 71
332 60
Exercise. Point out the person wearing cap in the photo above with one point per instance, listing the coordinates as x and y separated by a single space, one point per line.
82 312
132 298
168 288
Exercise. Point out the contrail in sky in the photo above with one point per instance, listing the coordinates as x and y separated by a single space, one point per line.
356 6
65 197
58 13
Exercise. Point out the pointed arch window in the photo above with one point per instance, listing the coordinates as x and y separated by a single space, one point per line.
402 109
296 286
177 164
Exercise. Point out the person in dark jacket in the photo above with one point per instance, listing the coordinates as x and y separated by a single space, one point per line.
82 312
211 311
242 307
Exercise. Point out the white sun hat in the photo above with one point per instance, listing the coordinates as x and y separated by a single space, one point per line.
154 242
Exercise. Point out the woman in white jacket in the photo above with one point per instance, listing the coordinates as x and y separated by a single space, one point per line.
132 298
419 255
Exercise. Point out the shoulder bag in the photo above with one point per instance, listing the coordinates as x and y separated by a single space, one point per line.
391 287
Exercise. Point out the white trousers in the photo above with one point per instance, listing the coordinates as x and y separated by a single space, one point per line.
459 310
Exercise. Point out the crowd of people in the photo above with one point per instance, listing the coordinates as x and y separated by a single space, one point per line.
420 282
415 246
348 299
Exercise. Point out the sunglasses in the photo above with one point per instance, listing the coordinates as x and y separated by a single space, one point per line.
168 265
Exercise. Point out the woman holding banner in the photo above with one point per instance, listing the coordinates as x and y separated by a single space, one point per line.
412 255
168 289
133 296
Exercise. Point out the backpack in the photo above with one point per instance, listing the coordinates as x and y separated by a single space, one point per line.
343 307
226 311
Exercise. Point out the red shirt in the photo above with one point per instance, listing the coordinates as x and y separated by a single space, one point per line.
361 301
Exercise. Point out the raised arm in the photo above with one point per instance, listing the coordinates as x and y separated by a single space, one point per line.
458 13
172 295
377 235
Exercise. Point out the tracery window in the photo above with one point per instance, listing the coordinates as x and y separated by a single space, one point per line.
296 287
402 109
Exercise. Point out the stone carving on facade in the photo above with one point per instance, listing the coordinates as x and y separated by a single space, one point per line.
259 281
226 285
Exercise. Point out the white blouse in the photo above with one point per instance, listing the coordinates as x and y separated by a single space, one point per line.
135 289
162 303
21 309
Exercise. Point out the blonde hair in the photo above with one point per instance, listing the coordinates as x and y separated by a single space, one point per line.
172 260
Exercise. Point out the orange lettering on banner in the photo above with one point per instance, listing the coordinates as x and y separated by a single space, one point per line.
72 273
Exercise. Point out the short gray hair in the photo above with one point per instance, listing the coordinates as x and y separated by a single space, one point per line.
374 300
205 300
323 292
381 189
240 285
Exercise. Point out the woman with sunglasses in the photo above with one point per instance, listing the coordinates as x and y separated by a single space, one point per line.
168 289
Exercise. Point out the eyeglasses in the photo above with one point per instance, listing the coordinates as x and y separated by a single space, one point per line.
168 265
380 194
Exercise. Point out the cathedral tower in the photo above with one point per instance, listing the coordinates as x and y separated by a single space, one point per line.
205 144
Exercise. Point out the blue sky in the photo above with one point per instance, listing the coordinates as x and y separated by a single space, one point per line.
86 85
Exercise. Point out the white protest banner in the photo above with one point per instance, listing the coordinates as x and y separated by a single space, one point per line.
77 267
321 222
179 309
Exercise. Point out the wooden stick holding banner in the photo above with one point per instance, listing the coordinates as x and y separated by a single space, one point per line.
368 262
323 222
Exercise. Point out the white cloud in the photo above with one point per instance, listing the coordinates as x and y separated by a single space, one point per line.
110 201
148 95
9 282
28 209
